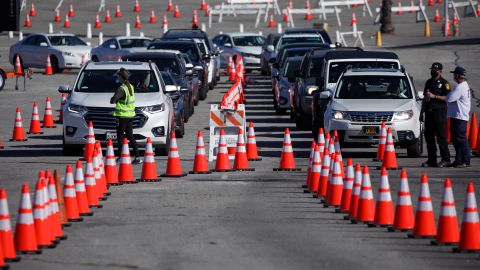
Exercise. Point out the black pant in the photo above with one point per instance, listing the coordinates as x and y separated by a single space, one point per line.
124 125
458 131
435 127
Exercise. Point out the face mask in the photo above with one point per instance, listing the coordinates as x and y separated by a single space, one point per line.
433 73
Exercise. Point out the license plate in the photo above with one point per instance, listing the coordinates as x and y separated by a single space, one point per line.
111 135
371 130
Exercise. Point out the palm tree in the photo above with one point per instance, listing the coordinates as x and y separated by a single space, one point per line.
386 17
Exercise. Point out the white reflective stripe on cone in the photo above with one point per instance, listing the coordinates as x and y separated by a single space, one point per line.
5 224
448 211
69 192
25 218
173 154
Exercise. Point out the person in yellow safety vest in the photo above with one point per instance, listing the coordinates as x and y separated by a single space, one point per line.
124 100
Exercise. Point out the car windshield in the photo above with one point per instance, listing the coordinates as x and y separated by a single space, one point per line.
290 68
167 79
373 87
289 40
105 81
336 68
249 41
187 48
134 43
292 53
315 69
66 41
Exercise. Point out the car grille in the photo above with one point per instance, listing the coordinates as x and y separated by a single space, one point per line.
102 118
370 117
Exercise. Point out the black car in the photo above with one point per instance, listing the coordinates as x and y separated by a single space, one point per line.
268 50
190 48
178 98
322 32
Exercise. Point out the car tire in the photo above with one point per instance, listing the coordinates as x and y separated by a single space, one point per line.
55 66
211 85
71 149
3 78
415 150
181 130
203 92
162 150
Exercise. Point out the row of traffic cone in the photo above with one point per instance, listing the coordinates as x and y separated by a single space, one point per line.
35 125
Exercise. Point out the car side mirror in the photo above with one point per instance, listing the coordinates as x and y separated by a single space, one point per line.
64 89
338 44
228 45
270 48
198 68
420 96
189 72
43 44
112 46
206 56
325 95
189 66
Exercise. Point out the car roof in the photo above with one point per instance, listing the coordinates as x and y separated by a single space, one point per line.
241 34
357 54
114 65
301 35
154 54
303 31
173 40
131 37
373 71
186 33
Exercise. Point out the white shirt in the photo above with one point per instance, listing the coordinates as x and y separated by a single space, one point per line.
458 102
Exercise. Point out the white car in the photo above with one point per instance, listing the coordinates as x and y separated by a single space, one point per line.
248 45
89 100
364 98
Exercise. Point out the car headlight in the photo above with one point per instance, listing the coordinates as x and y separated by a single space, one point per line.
311 89
155 108
77 108
68 54
339 115
402 116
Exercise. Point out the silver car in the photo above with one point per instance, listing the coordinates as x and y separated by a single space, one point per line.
248 45
65 50
117 47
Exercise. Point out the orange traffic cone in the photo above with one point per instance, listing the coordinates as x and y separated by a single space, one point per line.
347 187
80 191
271 22
48 115
287 161
170 5
111 173
447 230
430 3
71 12
195 19
424 217
107 19
90 185
200 163
478 9
40 217
470 231
203 6
252 151
69 194
18 131
399 11
321 140
240 162
48 67
384 206
28 23
308 185
56 222
354 19
207 11
316 170
285 14
153 18
322 186
18 66
233 72
389 157
136 7
223 162
6 236
357 185
57 16
118 12
149 168
90 144
48 210
174 168
329 180
382 140
32 11
403 219
176 13
61 200
25 240
97 22
35 127
308 16
473 132
66 23
229 64
335 188
98 170
436 19
138 24
366 205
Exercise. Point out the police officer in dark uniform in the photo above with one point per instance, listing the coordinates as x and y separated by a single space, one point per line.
436 117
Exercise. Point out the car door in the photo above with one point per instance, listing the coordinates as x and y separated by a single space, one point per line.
26 50
41 51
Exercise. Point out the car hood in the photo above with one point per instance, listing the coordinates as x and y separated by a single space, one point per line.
74 49
372 105
257 50
103 99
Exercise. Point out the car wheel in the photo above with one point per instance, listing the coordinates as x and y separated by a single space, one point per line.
203 92
415 150
186 115
211 85
55 67
94 58
71 149
162 150
3 78
180 131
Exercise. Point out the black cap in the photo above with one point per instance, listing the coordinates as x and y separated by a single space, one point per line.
122 72
436 66
459 71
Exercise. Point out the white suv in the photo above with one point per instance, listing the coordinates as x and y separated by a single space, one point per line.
364 98
89 100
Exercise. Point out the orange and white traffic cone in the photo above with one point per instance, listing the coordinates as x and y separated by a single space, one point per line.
100 160
389 157
35 126
470 230
308 16
285 14
48 115
118 12
436 19
271 22
207 11
66 23
382 141
57 16
149 168
18 131
165 22
431 3
138 24
357 185
203 5
384 206
97 22
25 240
322 185
107 19
18 66
252 151
6 236
90 144
153 18
170 6
308 184
136 7
70 197
61 199
399 11
366 205
447 230
229 64
353 22
223 161
478 9
174 167
321 139
71 12
51 231
195 19
90 185
40 217
347 187
48 67
403 219
287 160
99 173
176 13
424 217
240 162
56 222
200 163
80 191
32 12
473 132
329 180
111 173
335 188
233 72
28 23
316 170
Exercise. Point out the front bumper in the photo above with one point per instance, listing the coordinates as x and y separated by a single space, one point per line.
252 63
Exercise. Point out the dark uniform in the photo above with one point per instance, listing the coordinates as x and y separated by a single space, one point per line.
436 120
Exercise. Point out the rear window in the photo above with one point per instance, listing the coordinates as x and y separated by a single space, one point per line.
288 40
104 81
188 48
134 43
336 68
373 87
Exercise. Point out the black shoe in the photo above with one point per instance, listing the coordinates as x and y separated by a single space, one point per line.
460 166
454 164
443 164
428 164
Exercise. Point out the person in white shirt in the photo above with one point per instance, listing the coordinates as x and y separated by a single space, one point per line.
458 103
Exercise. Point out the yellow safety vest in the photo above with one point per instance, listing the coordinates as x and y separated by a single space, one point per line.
126 107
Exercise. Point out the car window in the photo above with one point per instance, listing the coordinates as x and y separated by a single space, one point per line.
202 47
336 68
40 39
290 67
218 40
167 79
315 67
289 40
249 41
104 81
134 43
66 41
107 43
373 87
189 48
31 40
